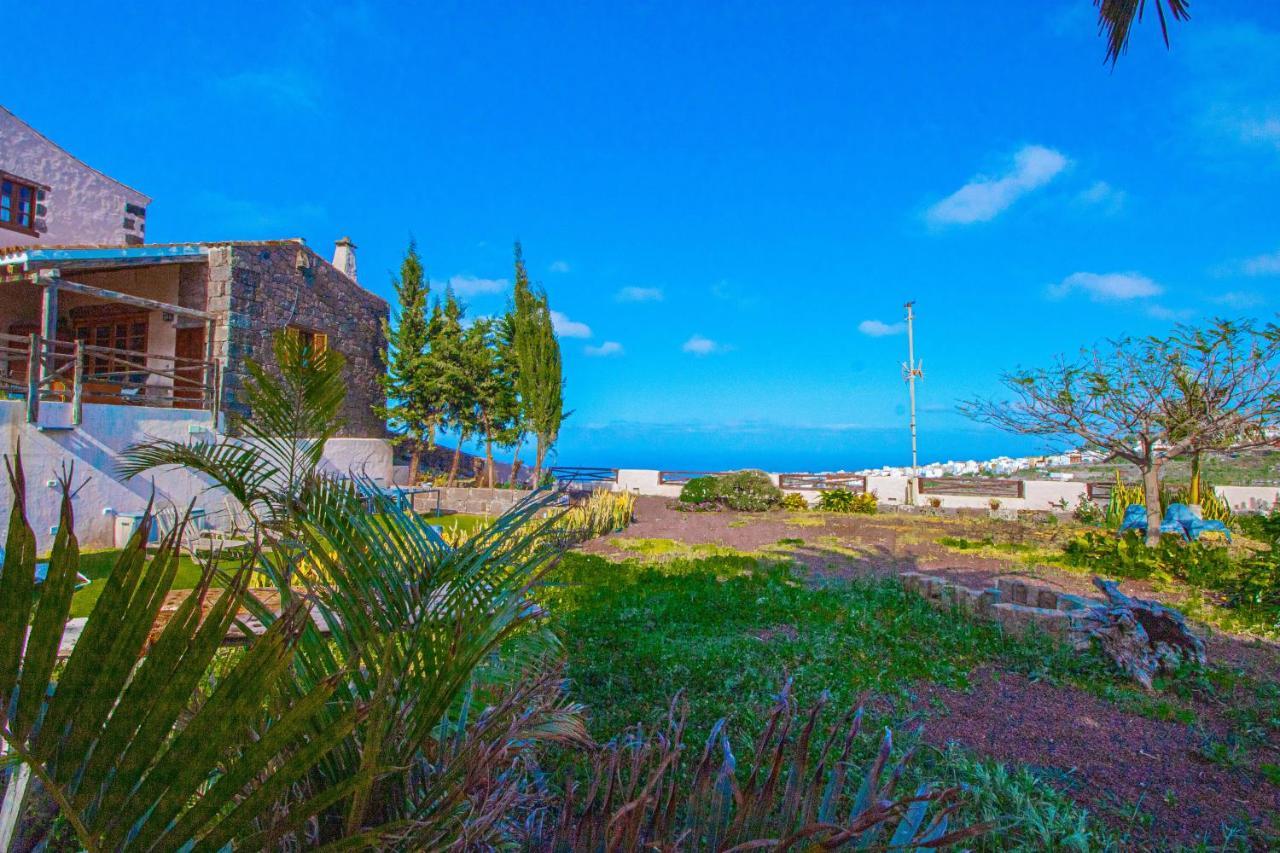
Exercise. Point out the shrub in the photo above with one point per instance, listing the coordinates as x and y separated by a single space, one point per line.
844 500
794 501
748 491
1087 512
700 490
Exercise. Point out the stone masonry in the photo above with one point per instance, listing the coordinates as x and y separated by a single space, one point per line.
262 288
1017 605
472 501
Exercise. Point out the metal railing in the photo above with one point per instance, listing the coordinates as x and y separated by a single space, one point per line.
823 482
39 369
564 474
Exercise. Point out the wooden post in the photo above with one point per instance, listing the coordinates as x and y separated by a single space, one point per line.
215 404
48 328
15 797
211 371
33 378
77 386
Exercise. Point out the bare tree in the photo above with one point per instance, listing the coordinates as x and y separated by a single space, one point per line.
1129 398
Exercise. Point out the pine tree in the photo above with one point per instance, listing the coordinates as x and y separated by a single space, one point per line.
448 360
515 425
412 407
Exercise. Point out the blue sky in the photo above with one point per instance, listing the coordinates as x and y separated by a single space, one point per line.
729 203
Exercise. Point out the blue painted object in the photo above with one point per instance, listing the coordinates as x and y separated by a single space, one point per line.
1135 518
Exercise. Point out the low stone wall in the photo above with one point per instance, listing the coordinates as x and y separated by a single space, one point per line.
471 501
1017 605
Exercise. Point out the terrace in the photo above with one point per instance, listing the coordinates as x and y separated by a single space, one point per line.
113 327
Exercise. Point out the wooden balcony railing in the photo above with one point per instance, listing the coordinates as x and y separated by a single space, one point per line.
39 369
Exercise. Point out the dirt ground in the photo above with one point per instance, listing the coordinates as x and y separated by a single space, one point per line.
1107 758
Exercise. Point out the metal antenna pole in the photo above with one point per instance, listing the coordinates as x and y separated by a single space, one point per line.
911 371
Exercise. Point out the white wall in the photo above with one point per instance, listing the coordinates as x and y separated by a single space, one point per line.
1038 494
82 205
95 447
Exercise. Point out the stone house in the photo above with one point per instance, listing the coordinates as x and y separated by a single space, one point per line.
49 196
106 340
119 321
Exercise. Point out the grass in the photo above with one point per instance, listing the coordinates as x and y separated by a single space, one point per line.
725 631
97 565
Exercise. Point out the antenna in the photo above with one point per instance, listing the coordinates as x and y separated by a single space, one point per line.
911 371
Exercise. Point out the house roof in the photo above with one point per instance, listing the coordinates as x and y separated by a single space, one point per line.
103 256
99 252
74 157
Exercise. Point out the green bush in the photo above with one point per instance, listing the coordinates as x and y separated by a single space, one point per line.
749 491
700 490
844 500
795 501
1088 512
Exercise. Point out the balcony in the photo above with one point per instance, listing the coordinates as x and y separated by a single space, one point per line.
42 370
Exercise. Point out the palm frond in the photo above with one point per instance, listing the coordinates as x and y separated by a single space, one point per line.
114 740
1117 17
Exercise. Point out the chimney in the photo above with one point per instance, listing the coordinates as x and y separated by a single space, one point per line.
344 257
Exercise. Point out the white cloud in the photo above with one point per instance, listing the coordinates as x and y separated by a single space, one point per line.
698 345
639 294
470 285
559 266
1239 299
1103 195
985 196
880 329
606 349
1259 265
1161 312
1107 287
567 328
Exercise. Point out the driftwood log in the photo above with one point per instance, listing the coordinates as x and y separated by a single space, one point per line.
1144 638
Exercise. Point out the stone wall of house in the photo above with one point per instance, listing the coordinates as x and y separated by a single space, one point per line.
264 287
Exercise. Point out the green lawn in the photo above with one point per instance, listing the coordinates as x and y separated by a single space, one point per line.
727 629
467 524
97 565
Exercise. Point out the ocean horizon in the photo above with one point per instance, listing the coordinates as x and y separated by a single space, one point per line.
700 449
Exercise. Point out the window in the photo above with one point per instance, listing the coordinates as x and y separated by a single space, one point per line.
126 334
17 204
316 342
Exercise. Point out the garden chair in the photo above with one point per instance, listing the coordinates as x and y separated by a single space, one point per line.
197 542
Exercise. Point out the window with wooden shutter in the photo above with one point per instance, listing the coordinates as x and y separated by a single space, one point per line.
18 204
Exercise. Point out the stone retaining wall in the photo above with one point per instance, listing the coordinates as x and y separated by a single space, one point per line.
471 501
1017 605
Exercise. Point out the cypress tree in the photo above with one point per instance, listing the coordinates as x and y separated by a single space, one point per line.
539 376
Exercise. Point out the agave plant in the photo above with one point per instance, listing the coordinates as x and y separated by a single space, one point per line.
113 741
603 511
793 794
